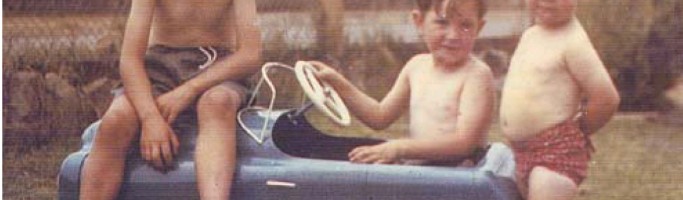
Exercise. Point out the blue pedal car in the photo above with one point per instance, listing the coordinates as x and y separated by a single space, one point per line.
282 156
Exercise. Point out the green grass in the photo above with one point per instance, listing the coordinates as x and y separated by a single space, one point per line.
30 172
636 159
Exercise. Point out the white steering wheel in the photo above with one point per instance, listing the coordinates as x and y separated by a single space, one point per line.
322 94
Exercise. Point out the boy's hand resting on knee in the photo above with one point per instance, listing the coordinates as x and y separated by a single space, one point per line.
158 143
172 103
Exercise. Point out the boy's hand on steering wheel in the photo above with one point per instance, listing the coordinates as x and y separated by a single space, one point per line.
320 83
325 72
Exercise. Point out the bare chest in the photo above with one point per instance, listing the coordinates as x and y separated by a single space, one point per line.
193 13
437 96
537 63
194 23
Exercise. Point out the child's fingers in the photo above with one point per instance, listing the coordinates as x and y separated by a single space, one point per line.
144 151
361 156
370 158
163 111
317 64
175 144
171 117
167 154
356 157
383 161
323 67
356 151
156 157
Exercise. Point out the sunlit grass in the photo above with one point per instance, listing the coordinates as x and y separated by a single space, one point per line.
30 172
636 159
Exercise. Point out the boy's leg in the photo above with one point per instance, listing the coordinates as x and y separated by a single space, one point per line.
546 184
103 170
215 151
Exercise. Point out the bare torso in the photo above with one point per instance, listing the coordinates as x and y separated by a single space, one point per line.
539 91
435 98
183 23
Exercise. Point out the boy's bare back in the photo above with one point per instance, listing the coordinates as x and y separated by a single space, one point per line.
542 88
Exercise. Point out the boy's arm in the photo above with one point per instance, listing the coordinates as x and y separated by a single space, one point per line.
158 143
590 74
374 114
135 81
476 107
245 61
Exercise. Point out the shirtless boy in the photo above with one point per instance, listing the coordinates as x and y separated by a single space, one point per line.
556 94
176 55
447 93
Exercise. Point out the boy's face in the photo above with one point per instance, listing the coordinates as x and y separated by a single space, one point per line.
552 12
450 31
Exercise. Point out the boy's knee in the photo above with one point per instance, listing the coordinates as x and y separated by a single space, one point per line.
220 97
120 111
549 179
119 123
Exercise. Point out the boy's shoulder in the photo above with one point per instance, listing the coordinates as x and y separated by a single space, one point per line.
418 60
475 63
578 36
479 68
529 32
421 59
478 63
577 42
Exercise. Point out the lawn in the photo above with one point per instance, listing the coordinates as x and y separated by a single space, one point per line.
636 159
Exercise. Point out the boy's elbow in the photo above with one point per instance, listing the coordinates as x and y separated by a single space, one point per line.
609 103
616 101
456 149
379 123
378 126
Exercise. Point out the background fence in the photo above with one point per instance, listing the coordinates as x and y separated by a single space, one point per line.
60 56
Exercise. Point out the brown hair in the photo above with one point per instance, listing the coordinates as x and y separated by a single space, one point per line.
425 5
